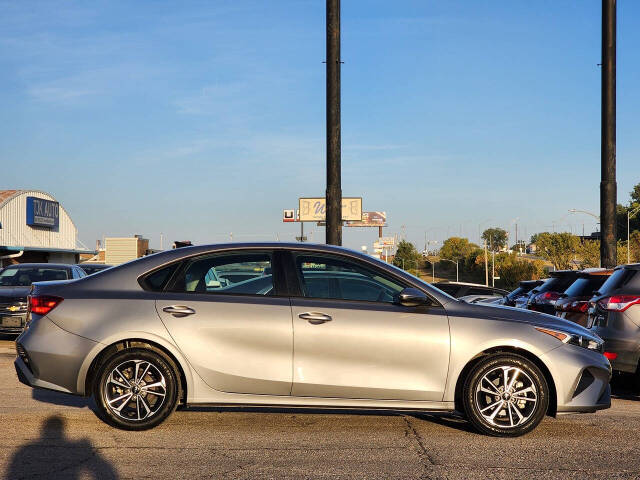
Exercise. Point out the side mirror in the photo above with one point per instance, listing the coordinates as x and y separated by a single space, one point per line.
412 297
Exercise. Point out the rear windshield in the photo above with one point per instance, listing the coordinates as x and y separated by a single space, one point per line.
618 279
585 287
24 277
556 284
516 292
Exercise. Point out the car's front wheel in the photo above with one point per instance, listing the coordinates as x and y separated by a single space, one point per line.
505 395
136 389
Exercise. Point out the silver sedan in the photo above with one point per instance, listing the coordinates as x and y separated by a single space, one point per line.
276 324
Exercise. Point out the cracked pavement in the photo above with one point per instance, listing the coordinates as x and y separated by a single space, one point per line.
50 435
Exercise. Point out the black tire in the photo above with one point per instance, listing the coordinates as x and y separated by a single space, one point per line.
153 397
517 410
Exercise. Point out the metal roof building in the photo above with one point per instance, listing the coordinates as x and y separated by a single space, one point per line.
34 227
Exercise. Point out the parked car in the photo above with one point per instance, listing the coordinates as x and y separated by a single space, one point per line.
317 325
543 298
574 302
524 287
91 268
462 289
614 315
15 283
482 299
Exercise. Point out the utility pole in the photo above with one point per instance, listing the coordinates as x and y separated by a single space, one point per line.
334 182
608 187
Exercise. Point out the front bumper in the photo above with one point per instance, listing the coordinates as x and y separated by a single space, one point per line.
50 357
581 378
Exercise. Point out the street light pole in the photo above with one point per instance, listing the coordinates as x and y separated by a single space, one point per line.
334 182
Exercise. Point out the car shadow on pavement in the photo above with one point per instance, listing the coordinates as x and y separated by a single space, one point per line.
624 387
62 399
444 419
54 455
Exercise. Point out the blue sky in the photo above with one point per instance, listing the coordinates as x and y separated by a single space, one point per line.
197 118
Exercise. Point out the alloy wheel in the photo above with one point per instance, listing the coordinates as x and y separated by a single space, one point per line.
135 390
506 397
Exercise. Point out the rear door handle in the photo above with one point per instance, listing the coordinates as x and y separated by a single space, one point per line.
315 318
179 310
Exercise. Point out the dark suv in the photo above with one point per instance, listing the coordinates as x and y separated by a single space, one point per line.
543 298
523 289
574 302
614 315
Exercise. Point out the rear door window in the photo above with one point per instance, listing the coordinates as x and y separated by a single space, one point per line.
245 273
584 287
619 279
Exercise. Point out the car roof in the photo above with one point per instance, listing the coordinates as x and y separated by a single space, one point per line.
531 282
596 272
629 266
564 273
40 265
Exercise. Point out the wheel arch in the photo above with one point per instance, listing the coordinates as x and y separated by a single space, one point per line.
553 397
109 350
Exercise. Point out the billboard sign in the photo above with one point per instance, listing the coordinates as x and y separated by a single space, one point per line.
43 213
369 219
315 209
289 216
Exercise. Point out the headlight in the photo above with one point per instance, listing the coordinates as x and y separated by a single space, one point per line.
590 342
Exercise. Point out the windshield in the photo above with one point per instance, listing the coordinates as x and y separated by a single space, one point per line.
585 287
25 276
617 280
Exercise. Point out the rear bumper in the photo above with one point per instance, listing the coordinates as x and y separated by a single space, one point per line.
54 357
581 378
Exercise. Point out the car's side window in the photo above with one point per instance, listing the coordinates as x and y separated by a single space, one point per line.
327 276
230 273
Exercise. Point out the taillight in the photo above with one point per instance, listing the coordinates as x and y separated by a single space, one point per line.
618 303
42 304
579 307
611 355
546 297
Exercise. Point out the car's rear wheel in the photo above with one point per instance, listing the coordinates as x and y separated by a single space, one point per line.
136 389
505 395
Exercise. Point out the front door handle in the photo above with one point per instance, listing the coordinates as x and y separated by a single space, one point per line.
179 310
315 318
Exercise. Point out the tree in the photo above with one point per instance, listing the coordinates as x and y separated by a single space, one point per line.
496 238
635 246
407 255
558 248
589 253
512 270
635 194
534 238
457 248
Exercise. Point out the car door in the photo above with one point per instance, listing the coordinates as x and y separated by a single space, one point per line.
225 313
352 341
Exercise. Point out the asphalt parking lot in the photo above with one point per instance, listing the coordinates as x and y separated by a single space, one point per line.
51 435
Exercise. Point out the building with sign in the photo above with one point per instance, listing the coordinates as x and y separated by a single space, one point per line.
34 227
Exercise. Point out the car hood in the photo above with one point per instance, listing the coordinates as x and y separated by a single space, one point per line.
14 292
510 314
